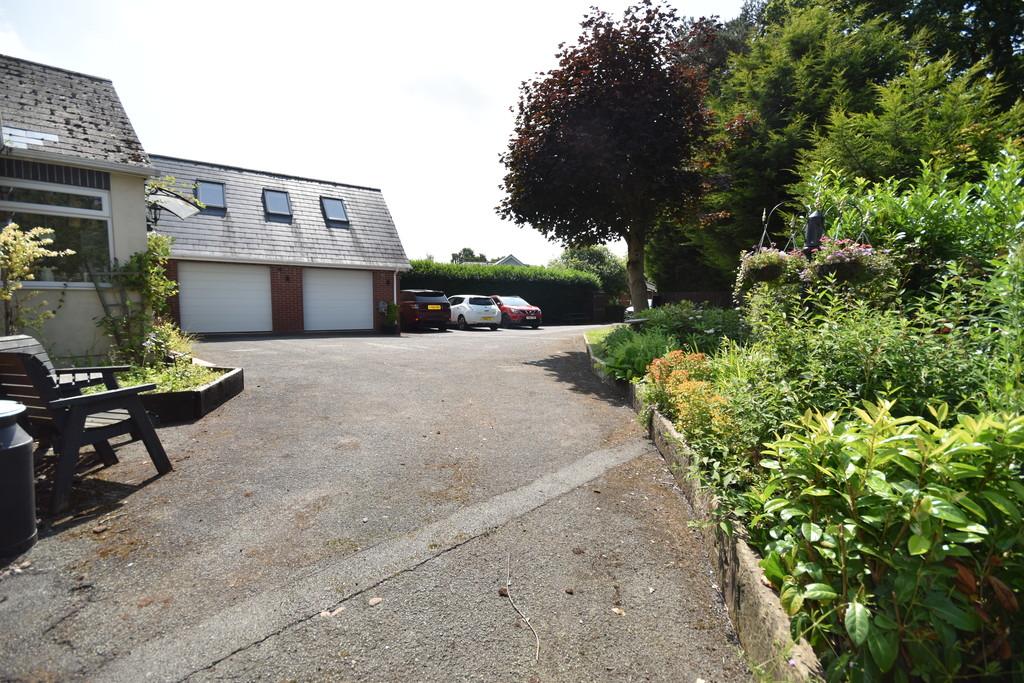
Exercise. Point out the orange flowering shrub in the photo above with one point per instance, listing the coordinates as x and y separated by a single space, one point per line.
665 374
679 385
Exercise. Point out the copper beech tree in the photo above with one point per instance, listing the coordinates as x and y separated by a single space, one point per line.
603 143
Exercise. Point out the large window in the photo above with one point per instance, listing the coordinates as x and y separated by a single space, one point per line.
80 219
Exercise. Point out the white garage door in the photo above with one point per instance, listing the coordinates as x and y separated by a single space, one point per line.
224 297
337 299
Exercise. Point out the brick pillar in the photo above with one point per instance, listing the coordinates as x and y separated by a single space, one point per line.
383 290
286 298
173 303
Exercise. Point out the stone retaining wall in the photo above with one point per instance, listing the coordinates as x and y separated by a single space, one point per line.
755 610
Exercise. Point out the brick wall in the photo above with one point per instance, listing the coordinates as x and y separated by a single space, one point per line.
383 290
286 298
173 302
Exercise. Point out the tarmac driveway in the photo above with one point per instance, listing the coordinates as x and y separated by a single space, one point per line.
355 512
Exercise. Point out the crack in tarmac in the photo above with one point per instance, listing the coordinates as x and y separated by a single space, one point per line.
348 598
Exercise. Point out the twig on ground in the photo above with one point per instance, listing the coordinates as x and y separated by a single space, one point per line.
508 594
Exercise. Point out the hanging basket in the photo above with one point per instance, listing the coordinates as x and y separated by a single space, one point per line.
765 272
854 270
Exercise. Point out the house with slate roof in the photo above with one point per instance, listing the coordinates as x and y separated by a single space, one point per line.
71 161
269 253
279 253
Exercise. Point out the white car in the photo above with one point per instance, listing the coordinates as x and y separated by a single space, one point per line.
629 309
469 310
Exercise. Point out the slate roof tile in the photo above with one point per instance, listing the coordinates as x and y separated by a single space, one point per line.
82 111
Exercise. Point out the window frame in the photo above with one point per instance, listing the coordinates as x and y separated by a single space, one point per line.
274 214
103 214
223 193
334 222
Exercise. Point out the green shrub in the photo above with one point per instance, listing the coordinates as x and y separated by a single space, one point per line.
838 350
931 219
559 292
896 543
628 353
696 327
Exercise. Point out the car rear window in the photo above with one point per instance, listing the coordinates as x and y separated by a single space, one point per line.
480 301
431 296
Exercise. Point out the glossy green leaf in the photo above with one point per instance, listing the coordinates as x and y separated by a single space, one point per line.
858 622
972 507
883 644
945 510
918 545
811 531
773 568
884 621
790 513
819 591
1003 504
775 504
1018 489
945 609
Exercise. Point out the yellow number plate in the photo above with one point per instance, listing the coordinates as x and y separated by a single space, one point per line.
433 307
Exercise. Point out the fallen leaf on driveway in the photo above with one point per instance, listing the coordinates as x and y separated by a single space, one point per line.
618 610
373 602
503 592
100 529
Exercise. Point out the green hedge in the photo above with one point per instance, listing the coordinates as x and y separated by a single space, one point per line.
559 292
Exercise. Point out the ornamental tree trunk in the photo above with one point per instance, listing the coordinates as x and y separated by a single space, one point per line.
635 269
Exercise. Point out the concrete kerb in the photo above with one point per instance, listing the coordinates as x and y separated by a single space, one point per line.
760 621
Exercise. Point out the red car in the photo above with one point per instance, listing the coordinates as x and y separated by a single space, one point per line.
424 307
517 311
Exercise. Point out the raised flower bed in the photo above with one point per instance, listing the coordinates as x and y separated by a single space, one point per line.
187 405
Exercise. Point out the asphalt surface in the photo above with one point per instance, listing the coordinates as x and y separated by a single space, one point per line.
355 512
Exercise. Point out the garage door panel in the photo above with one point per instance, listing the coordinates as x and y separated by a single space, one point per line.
224 297
334 299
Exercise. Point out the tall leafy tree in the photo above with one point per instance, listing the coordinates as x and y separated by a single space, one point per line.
467 255
775 96
603 143
599 260
923 114
968 31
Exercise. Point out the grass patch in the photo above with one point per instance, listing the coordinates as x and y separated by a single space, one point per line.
596 339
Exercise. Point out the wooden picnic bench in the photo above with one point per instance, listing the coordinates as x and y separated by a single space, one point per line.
59 416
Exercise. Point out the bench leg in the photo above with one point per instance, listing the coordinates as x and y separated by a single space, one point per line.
144 428
67 460
106 452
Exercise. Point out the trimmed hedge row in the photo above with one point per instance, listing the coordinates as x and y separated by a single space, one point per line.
562 294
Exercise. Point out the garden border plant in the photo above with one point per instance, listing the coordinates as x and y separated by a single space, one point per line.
889 503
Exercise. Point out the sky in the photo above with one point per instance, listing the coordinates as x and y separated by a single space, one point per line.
410 97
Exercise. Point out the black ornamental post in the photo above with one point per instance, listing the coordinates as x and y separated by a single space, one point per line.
814 231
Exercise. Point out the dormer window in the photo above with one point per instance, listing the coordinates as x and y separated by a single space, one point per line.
211 194
276 204
335 214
